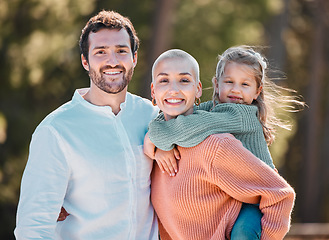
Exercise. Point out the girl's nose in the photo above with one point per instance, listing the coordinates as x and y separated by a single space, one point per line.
235 88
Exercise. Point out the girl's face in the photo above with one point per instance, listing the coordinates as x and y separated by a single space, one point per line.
237 84
175 87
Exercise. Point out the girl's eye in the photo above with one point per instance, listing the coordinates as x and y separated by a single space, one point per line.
228 81
245 84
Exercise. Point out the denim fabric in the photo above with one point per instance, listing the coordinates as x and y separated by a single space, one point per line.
248 224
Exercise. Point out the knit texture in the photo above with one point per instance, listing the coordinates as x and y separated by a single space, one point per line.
204 199
188 131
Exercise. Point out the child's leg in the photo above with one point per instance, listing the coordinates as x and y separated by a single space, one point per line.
248 224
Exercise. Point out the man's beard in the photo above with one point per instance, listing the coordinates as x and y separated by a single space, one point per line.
106 84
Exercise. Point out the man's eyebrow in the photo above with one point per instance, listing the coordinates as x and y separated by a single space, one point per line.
101 47
106 47
122 46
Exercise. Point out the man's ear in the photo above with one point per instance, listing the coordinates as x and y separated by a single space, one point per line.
84 62
135 58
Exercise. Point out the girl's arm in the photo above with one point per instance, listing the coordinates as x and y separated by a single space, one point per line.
188 131
149 147
166 160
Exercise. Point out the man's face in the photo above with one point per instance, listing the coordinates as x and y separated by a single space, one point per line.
111 62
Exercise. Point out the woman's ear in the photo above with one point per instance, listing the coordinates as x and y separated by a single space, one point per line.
152 90
199 90
84 62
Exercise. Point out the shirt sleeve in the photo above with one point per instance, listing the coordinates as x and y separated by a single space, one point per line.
189 131
43 187
242 176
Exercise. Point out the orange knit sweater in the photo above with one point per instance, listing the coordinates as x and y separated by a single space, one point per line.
204 199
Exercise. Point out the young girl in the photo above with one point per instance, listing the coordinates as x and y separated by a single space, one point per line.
240 78
217 174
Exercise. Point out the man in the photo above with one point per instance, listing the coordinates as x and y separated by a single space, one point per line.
87 155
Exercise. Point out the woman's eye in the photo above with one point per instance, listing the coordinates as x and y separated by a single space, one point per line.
185 80
163 80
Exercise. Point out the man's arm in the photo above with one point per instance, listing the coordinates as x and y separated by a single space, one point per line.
43 187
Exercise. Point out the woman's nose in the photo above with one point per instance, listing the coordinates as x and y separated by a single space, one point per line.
174 88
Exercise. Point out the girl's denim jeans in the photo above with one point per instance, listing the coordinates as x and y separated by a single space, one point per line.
248 224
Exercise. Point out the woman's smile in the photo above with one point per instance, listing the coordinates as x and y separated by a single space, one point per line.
174 100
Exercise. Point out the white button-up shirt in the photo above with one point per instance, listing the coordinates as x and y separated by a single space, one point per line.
90 161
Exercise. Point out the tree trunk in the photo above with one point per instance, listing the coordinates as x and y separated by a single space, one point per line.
310 177
276 27
160 41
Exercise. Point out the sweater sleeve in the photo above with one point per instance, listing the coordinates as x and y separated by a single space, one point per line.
189 131
250 180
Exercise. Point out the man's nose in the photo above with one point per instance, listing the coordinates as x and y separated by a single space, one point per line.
112 59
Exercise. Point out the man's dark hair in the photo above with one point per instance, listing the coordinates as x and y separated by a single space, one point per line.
109 20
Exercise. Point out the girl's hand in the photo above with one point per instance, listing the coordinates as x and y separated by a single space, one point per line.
148 147
167 161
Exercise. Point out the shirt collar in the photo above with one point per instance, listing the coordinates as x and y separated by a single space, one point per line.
78 97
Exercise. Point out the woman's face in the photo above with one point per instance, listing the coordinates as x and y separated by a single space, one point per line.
175 87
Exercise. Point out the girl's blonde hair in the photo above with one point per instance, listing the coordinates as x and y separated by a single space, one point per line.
271 96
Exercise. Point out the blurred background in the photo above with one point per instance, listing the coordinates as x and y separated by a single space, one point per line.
40 68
